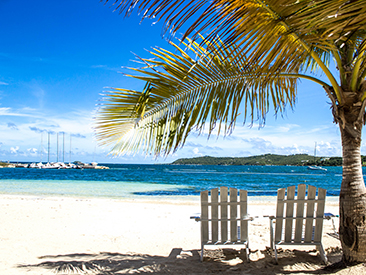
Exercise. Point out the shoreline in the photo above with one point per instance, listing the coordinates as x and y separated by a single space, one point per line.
39 230
144 198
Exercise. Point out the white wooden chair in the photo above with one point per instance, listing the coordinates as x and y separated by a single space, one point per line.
299 219
224 218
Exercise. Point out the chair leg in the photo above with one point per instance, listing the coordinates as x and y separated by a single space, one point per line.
271 233
272 243
275 252
247 253
322 254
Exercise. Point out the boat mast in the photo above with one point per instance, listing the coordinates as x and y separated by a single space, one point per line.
57 146
315 153
48 147
63 148
70 150
41 145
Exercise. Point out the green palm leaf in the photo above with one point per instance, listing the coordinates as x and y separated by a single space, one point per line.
185 93
275 35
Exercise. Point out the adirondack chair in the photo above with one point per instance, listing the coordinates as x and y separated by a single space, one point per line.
299 219
224 218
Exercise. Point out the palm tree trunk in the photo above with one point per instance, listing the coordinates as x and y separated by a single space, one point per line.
352 200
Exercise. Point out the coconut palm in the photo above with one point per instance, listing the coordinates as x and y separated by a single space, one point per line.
253 54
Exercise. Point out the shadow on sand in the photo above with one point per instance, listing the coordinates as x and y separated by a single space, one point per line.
219 261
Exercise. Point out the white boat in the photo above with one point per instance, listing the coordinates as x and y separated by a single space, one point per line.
315 167
35 165
50 166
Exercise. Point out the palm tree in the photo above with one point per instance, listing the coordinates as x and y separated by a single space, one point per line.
254 53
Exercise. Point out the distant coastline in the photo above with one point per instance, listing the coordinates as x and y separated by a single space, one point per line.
266 159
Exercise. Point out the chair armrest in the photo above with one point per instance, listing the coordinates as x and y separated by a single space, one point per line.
247 218
328 216
196 218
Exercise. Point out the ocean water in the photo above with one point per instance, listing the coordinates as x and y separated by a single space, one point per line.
165 181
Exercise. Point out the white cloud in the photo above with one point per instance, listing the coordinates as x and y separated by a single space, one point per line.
196 151
4 110
12 126
286 128
32 128
3 83
277 138
14 150
32 151
25 112
281 138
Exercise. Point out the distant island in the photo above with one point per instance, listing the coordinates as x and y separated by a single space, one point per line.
267 159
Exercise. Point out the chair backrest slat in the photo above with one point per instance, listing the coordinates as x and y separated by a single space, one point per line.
233 214
289 213
215 214
319 214
310 214
223 209
243 213
279 213
301 190
204 216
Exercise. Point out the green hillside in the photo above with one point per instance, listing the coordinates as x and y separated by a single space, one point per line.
267 159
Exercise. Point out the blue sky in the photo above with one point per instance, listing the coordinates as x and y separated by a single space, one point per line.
57 57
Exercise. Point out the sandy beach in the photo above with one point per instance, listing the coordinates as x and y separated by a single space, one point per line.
105 236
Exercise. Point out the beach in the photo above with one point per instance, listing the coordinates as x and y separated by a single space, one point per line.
66 235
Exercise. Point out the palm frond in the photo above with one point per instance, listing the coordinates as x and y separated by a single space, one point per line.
183 94
275 35
309 18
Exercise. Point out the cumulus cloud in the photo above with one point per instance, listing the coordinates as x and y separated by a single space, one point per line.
259 143
37 130
196 151
14 150
12 126
32 151
328 148
260 146
263 146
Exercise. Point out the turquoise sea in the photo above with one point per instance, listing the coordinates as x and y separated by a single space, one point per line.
165 181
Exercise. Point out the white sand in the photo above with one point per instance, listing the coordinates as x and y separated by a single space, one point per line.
92 236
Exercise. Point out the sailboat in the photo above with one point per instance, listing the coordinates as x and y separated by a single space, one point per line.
316 167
